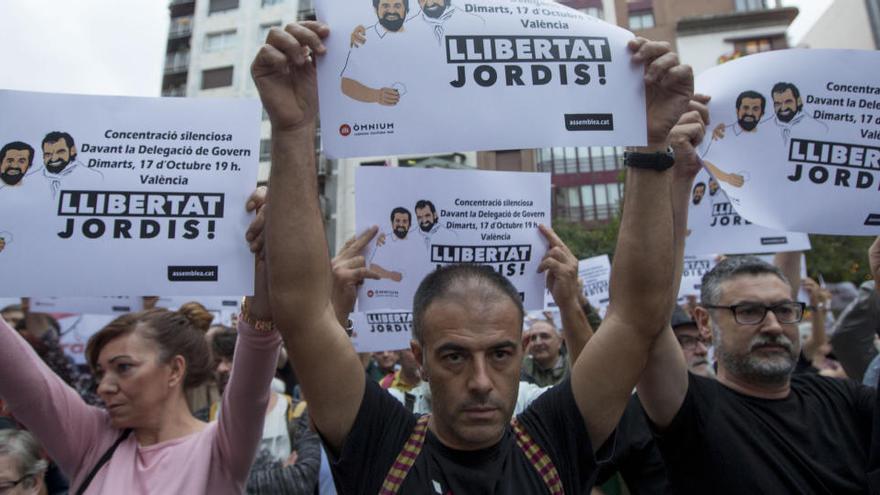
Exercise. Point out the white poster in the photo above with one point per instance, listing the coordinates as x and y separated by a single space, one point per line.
91 305
595 273
476 75
378 331
692 275
125 196
76 330
224 309
432 217
714 226
796 139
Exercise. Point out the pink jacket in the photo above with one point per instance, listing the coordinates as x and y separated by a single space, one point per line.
216 460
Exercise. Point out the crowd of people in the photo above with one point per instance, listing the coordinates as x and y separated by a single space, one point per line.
745 390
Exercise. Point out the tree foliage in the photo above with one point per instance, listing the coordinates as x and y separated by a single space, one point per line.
588 242
839 259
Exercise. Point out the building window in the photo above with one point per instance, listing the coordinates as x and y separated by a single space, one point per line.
177 61
641 20
593 12
216 42
749 5
215 6
180 27
264 30
265 150
269 3
748 47
588 209
217 78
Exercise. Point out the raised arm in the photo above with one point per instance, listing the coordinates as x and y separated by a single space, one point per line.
664 384
37 398
329 371
790 264
641 275
561 267
244 403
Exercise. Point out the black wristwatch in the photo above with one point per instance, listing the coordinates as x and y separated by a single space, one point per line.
659 161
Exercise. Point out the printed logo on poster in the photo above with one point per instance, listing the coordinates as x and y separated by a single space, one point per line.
345 130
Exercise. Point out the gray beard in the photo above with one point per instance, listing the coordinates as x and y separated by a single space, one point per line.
774 371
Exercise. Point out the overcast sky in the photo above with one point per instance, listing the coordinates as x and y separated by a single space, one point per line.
117 47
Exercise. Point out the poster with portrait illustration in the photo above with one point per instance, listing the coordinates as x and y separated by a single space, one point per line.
714 226
125 196
400 77
429 218
794 139
76 329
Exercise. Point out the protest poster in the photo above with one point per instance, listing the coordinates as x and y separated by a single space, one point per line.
544 74
714 226
91 305
550 315
595 273
692 275
125 196
224 309
377 331
76 329
432 217
794 136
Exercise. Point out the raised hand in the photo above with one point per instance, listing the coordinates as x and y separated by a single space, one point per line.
669 87
561 267
349 272
285 74
687 134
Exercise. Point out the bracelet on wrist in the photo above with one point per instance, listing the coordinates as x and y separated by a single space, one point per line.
259 325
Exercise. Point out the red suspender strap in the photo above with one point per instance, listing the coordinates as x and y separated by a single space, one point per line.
538 459
405 460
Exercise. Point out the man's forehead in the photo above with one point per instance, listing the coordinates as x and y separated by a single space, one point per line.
61 143
16 154
783 95
748 287
464 315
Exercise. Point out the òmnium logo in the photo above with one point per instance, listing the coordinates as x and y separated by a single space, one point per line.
370 293
367 129
589 122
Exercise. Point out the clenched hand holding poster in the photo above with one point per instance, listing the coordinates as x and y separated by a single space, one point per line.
125 196
430 217
398 78
795 139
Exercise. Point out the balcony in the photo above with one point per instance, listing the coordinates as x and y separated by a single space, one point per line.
180 8
181 27
176 62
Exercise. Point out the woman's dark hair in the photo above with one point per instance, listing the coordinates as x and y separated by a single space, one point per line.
176 333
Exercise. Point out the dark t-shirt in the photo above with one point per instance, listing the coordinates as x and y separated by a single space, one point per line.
383 425
635 455
814 441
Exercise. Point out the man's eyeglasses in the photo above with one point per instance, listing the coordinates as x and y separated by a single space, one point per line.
689 343
754 313
7 486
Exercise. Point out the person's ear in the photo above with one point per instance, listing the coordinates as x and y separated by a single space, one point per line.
177 374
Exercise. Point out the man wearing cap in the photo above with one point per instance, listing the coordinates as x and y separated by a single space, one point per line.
694 344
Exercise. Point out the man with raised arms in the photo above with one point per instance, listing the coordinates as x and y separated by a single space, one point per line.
757 428
467 320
